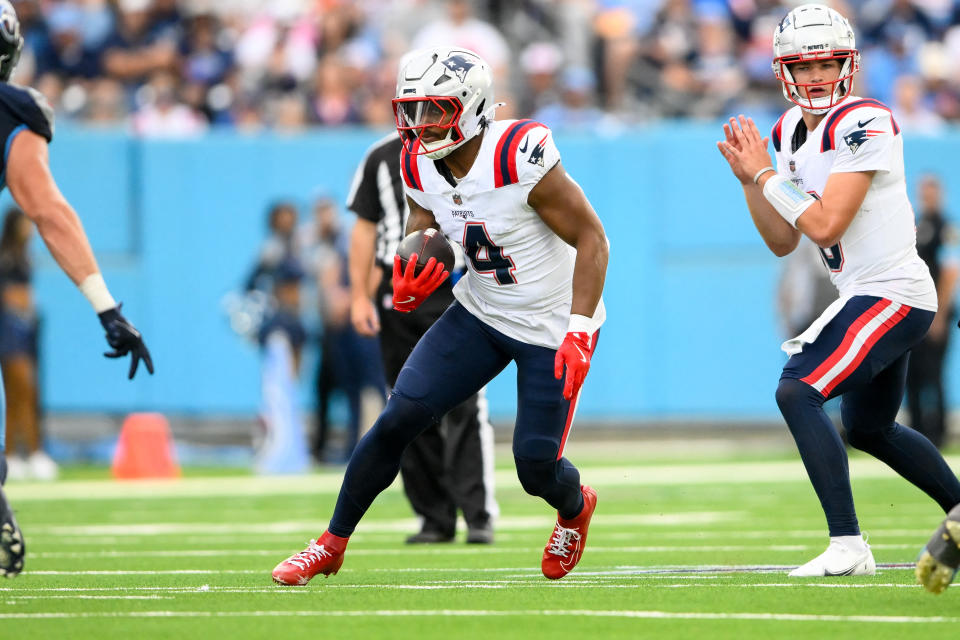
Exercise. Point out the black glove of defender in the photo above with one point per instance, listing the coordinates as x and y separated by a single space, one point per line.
124 338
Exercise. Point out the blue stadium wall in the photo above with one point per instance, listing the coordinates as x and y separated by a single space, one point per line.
692 330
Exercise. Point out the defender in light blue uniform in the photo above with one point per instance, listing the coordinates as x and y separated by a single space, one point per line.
26 127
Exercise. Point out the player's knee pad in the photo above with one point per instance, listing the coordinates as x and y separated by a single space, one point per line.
863 429
401 421
793 395
860 440
537 447
536 476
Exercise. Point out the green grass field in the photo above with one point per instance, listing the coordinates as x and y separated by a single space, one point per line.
696 547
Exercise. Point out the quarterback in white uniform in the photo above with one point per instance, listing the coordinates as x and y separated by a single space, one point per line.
839 180
536 261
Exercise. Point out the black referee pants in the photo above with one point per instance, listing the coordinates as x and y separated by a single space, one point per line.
446 468
926 399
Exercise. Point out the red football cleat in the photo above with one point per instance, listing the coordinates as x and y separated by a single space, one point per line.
569 538
321 556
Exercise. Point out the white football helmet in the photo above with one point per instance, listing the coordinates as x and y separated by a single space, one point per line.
446 88
815 32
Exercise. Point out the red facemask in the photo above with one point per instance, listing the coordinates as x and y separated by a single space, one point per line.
796 90
415 115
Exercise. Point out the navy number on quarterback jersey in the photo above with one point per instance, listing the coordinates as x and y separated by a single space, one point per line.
485 256
833 257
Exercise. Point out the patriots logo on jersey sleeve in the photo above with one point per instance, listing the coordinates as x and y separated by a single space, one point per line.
855 139
536 156
459 65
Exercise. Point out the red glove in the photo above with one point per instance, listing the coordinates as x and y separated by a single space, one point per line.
410 291
575 352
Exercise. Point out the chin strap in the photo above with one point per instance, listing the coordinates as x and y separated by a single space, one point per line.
488 115
484 119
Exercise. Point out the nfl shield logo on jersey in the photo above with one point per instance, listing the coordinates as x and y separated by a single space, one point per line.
793 166
457 199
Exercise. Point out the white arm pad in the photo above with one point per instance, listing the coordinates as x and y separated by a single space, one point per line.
95 290
787 198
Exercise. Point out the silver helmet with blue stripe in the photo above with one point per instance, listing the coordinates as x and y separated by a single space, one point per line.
444 96
808 34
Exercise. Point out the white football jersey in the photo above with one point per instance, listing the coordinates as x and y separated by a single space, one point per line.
519 277
877 254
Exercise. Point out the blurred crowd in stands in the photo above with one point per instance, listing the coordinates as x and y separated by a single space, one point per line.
301 269
179 67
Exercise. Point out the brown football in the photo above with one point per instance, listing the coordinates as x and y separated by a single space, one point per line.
426 243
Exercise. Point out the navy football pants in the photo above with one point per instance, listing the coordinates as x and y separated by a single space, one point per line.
861 355
456 357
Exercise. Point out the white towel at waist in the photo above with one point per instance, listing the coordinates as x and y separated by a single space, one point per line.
794 346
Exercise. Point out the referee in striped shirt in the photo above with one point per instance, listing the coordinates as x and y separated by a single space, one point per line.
450 465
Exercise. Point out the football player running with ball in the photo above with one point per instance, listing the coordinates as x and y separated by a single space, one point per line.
26 127
839 180
536 257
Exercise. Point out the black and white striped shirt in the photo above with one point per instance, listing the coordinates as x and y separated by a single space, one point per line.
376 194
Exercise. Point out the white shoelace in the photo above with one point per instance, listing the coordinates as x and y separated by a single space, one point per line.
313 553
562 537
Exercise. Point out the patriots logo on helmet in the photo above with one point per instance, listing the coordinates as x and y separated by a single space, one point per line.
459 65
856 138
536 156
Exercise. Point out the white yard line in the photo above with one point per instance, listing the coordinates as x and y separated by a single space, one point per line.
429 613
131 572
90 592
86 535
328 483
660 572
400 525
431 551
80 596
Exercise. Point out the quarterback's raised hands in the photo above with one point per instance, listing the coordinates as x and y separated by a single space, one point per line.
745 149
